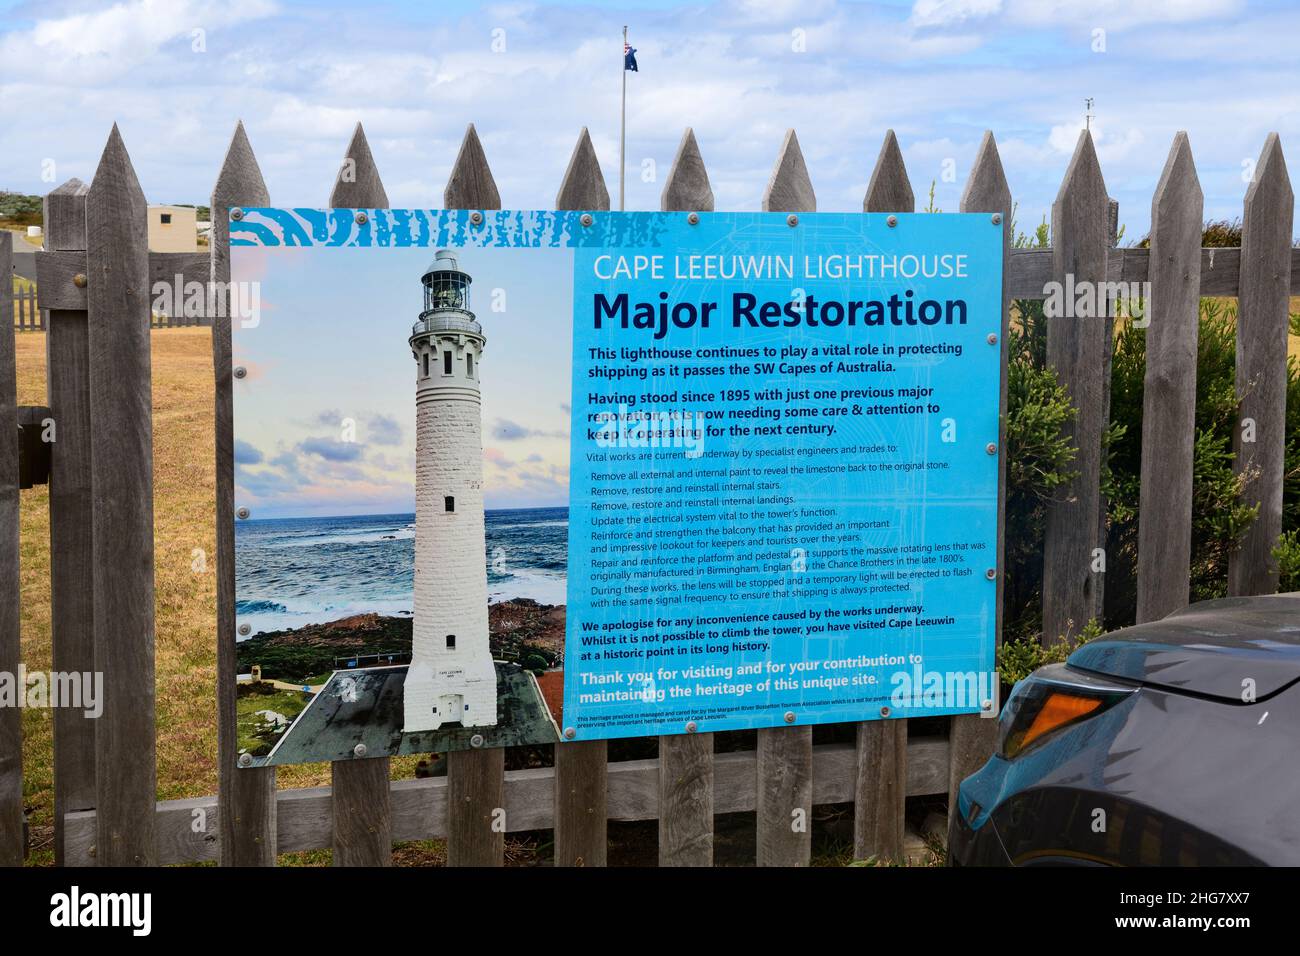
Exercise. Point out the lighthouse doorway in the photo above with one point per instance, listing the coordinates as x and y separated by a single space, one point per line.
450 709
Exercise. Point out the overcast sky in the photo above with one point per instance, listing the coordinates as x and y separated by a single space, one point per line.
177 74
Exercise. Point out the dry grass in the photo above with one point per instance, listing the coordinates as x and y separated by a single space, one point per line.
184 524
1293 341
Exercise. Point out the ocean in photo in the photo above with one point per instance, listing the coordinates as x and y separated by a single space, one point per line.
295 571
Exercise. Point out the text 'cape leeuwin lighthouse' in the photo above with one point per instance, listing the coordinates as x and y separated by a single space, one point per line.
451 678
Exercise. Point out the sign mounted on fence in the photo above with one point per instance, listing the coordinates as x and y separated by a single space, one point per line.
714 471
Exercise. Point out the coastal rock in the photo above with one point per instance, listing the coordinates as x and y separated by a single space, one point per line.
521 630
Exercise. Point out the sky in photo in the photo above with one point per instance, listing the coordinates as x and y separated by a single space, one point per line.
331 348
176 74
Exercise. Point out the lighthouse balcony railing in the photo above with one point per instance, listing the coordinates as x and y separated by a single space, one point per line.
441 321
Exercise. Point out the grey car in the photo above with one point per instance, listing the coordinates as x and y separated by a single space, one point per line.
1173 743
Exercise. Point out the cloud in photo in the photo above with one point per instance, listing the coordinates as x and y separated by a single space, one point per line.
331 449
383 430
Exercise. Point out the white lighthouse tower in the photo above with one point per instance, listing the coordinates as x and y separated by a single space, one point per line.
451 678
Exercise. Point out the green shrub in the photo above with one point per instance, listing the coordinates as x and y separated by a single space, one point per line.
1017 659
1040 462
1287 555
19 209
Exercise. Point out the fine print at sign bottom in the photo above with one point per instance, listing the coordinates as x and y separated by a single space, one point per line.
568 499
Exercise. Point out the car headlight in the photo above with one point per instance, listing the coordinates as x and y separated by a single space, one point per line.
1050 699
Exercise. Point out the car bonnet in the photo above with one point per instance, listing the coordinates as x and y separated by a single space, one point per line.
1235 649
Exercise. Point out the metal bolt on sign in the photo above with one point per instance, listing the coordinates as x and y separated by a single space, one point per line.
996 218
570 733
792 220
991 448
693 219
993 338
991 573
691 727
884 711
245 629
362 219
241 372
892 221
245 760
789 716
476 740
359 750
242 513
236 214
476 218
586 219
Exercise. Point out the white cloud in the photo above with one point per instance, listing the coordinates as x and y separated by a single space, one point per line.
115 39
929 13
794 12
1118 14
1111 147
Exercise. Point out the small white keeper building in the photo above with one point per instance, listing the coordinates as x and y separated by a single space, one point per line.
451 678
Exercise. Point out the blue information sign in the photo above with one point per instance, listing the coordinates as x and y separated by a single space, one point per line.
784 472
781 451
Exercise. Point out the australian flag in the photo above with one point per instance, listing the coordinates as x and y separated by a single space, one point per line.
629 58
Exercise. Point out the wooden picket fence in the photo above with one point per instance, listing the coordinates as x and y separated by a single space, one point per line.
94 280
29 316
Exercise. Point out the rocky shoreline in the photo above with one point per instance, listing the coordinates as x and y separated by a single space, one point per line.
521 630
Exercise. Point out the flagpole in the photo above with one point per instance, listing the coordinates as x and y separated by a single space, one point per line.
622 128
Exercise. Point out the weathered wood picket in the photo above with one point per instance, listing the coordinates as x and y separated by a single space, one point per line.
12 843
94 279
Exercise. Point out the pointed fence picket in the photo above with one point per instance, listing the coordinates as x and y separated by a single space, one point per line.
12 842
785 754
475 778
1267 272
1078 348
1169 388
581 784
972 737
685 779
91 282
882 744
361 808
246 817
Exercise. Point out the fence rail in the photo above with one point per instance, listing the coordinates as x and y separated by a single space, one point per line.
1028 270
62 284
101 556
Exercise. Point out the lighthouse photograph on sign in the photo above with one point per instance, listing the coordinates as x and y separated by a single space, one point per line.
527 478
401 481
